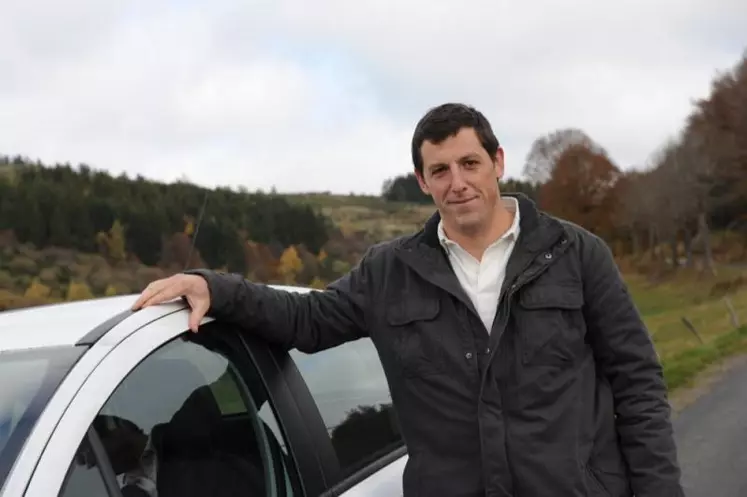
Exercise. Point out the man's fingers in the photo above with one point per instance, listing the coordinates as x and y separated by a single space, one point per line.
170 288
150 294
160 291
146 294
199 309
165 294
194 320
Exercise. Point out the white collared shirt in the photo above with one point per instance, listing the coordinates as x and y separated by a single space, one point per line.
482 280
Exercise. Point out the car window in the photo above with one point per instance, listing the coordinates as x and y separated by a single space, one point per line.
84 477
28 379
185 422
352 393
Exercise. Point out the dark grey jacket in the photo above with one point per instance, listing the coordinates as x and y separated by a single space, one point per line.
564 397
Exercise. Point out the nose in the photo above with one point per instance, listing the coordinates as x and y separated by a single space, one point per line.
458 183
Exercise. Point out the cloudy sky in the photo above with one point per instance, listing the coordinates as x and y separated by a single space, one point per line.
323 95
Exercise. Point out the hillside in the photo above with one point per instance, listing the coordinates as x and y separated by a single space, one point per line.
70 233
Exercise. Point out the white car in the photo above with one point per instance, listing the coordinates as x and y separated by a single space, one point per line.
97 400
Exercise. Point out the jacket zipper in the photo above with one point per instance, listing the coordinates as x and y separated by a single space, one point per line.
516 286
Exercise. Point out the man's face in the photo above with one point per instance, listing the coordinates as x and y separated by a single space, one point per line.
462 179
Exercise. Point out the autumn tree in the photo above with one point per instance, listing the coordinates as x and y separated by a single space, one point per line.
546 150
310 266
636 201
583 188
177 253
37 290
261 265
78 290
112 243
716 132
290 265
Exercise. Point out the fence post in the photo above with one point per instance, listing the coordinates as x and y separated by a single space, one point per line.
691 327
732 312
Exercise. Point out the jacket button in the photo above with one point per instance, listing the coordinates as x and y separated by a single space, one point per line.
468 355
487 351
548 255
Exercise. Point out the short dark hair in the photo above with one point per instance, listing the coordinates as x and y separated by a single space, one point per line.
447 120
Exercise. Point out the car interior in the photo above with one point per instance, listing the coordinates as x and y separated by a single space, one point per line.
178 435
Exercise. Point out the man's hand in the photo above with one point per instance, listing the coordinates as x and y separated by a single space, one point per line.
192 287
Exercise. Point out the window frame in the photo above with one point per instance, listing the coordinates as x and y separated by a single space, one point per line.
108 477
328 459
49 475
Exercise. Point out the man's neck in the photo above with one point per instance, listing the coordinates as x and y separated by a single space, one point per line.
477 241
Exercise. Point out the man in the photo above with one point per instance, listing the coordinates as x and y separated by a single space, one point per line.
517 361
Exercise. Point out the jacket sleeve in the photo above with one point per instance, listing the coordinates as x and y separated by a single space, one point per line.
309 322
625 351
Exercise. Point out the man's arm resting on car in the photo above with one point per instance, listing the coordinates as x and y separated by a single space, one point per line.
626 353
310 322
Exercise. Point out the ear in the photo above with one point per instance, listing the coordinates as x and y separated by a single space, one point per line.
499 164
421 181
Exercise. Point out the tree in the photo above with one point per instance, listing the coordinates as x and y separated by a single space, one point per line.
112 244
177 253
77 209
290 265
78 290
37 290
546 150
404 188
584 188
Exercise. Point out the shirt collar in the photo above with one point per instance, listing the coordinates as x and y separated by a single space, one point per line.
511 233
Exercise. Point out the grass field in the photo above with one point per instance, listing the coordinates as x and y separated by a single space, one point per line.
699 300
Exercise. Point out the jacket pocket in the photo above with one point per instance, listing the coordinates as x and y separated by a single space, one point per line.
549 323
416 336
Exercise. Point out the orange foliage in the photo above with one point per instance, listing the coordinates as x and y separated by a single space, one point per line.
583 188
175 252
262 265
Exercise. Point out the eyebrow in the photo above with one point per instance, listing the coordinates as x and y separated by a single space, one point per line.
469 156
463 158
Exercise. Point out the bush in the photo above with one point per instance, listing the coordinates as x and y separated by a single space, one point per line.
6 281
78 290
23 265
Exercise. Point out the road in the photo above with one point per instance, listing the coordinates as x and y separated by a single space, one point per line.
711 436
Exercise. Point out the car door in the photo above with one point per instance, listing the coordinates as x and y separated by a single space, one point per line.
345 397
169 412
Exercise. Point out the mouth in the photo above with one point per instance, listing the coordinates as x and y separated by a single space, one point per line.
462 201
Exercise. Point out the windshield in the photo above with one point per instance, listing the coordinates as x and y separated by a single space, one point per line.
27 381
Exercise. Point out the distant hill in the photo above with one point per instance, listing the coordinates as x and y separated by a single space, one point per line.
68 232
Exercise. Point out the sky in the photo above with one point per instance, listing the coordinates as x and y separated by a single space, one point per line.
323 96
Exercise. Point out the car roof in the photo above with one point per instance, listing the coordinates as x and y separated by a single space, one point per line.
67 323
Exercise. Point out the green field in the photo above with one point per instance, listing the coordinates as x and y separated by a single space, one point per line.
699 300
